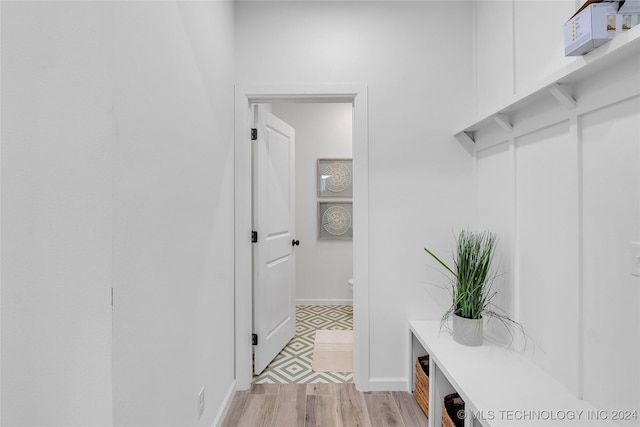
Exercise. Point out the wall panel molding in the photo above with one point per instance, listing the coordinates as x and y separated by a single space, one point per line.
602 102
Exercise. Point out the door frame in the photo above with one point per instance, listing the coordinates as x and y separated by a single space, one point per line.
245 95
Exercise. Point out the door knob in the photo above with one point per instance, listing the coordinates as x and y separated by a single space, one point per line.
295 243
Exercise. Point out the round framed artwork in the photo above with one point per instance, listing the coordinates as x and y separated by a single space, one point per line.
335 220
335 178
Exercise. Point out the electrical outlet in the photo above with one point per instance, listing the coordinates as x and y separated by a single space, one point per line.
634 261
200 403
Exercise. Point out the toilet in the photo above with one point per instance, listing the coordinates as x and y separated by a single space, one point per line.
350 285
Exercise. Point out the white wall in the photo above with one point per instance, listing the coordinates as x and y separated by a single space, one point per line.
611 209
517 43
57 150
173 212
322 266
117 170
564 190
420 178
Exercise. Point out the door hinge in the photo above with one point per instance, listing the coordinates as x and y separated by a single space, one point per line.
254 237
254 339
254 134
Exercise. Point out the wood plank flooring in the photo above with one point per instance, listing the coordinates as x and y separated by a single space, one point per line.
326 405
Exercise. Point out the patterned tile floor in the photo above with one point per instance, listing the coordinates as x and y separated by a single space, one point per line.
293 364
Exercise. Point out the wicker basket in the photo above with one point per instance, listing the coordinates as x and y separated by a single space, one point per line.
452 407
421 392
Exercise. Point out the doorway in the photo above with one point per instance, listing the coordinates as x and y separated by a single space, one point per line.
356 95
320 349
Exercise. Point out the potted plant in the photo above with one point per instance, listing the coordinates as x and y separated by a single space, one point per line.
472 286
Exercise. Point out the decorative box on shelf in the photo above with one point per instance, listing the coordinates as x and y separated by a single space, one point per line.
597 22
593 25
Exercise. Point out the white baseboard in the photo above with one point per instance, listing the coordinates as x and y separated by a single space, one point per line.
389 384
324 302
224 408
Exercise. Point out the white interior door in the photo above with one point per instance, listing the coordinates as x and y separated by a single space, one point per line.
274 319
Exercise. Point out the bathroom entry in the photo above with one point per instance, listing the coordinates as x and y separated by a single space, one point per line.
324 266
324 262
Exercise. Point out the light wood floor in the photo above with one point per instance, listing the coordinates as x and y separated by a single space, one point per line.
327 405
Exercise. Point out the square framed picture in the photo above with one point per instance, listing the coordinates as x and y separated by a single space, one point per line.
335 177
335 220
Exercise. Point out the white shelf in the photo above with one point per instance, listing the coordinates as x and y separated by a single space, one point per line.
556 84
501 385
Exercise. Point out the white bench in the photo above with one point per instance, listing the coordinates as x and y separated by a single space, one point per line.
499 387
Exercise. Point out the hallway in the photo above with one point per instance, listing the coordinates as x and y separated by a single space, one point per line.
331 405
126 203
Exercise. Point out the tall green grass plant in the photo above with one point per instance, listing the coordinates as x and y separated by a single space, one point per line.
472 279
472 283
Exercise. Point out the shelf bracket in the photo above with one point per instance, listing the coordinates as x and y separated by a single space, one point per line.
503 121
465 137
560 93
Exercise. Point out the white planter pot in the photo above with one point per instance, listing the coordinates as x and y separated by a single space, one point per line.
467 331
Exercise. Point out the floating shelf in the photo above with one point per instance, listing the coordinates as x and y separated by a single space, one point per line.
558 84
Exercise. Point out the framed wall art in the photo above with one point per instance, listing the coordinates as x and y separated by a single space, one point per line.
335 178
335 220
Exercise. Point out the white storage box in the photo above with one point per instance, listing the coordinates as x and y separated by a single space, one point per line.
593 25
